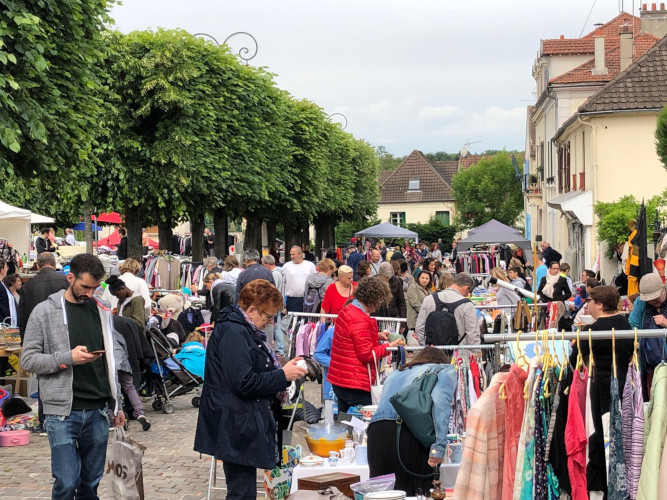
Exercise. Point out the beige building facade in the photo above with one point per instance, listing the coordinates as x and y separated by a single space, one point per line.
585 143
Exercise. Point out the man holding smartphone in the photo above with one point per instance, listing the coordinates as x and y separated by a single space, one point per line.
78 386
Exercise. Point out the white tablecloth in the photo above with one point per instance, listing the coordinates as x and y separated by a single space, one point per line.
447 473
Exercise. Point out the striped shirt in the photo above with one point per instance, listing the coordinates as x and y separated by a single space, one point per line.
481 473
632 418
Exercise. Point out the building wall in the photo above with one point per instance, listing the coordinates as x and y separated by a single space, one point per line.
415 212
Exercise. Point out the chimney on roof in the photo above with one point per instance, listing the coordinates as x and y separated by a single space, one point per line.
626 50
599 68
654 21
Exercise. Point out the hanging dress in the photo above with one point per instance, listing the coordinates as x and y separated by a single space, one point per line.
616 484
575 435
632 417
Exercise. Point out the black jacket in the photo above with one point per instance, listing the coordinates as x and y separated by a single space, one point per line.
562 290
5 310
224 295
47 282
396 308
236 422
121 251
138 349
252 272
550 255
44 245
188 325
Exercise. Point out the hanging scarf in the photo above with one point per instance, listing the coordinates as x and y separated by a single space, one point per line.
548 289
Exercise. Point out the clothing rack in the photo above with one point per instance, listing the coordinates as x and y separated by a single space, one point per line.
583 335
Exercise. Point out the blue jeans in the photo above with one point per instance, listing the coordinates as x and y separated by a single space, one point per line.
78 452
278 337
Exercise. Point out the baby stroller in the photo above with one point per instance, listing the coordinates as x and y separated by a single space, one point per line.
172 378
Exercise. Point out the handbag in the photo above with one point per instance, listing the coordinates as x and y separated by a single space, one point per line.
124 467
414 405
376 388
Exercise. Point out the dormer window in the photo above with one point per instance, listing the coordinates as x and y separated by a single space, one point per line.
413 185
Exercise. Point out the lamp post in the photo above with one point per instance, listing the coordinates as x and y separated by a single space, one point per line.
341 115
244 52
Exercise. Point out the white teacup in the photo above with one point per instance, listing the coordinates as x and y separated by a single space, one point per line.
333 457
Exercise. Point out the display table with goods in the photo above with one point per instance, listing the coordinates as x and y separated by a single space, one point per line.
447 472
10 348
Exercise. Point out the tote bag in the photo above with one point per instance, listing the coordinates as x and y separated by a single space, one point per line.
376 388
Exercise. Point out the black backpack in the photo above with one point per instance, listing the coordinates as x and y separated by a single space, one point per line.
441 328
311 300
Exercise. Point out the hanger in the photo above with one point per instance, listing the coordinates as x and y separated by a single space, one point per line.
613 351
546 363
635 356
591 361
564 360
580 358
521 356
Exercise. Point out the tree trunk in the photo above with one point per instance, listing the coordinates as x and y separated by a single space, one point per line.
197 225
88 227
133 223
270 232
220 232
305 233
165 234
292 237
253 232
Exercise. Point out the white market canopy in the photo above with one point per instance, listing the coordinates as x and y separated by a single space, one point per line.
494 232
15 226
386 230
41 219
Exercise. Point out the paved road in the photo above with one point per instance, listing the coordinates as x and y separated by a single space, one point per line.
172 470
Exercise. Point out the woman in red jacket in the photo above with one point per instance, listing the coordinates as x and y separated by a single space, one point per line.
355 340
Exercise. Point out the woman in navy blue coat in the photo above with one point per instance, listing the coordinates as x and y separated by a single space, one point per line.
242 389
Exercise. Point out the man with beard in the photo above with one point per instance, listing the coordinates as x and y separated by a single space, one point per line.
69 343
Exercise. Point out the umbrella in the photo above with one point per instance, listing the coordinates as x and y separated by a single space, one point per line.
110 218
81 226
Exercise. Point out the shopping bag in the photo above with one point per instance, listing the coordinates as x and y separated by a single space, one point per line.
124 467
376 388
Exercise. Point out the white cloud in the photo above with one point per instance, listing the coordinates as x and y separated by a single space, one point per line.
438 112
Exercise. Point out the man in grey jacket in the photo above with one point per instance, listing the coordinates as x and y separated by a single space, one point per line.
69 344
465 314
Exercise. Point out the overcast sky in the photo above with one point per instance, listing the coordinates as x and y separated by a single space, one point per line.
408 74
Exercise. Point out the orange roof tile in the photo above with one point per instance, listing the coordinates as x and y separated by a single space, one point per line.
586 44
583 73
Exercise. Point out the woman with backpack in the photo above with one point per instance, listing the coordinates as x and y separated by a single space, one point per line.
317 285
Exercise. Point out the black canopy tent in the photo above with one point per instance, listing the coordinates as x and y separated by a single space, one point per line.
386 230
494 232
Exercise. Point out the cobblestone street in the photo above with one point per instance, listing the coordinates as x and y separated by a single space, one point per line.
172 470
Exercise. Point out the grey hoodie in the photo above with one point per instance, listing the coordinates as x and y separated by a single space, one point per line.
318 281
47 352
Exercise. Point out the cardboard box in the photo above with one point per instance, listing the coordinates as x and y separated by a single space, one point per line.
340 480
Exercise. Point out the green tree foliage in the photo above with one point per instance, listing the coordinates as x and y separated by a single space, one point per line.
487 190
432 230
387 160
51 91
661 136
441 156
612 224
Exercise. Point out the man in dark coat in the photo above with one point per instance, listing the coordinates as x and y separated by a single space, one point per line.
353 257
43 243
549 254
253 271
121 251
48 281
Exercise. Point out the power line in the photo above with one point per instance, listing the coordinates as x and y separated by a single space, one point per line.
587 18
